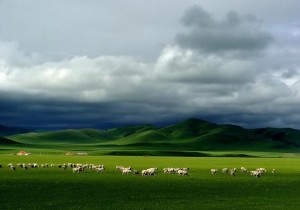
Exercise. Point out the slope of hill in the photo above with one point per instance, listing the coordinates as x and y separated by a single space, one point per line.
187 129
5 141
229 137
143 137
286 136
191 134
70 136
121 132
81 136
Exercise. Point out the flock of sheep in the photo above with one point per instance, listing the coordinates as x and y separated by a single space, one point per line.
232 171
78 167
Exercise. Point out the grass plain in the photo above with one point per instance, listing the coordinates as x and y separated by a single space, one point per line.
196 144
54 188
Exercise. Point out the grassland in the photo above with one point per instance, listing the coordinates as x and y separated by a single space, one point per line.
196 144
54 188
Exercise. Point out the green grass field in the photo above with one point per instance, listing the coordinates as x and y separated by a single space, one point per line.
54 188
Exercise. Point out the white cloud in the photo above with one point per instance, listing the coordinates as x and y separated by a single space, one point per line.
181 65
209 72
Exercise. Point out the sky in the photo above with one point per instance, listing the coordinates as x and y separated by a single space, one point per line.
103 64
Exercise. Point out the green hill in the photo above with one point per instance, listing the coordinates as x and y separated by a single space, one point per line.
232 138
190 128
189 135
70 136
143 137
286 136
121 132
5 141
81 136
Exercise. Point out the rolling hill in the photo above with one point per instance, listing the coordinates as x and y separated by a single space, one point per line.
69 136
188 135
4 141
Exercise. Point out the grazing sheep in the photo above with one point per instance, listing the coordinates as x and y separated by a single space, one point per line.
11 166
44 165
149 172
261 170
244 170
99 170
256 173
273 170
170 170
182 172
77 169
174 170
126 171
153 169
232 172
98 166
34 165
225 170
214 171
121 168
25 167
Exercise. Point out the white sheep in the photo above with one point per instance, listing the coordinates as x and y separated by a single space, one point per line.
225 170
214 171
261 170
121 168
232 172
244 170
77 169
169 170
11 166
255 173
99 170
126 171
182 172
149 172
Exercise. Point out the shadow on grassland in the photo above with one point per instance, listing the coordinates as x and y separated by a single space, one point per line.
158 153
173 153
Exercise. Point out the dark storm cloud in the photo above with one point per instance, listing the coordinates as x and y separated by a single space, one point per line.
233 33
49 113
111 91
70 64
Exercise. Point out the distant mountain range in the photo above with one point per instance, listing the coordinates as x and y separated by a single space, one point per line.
188 135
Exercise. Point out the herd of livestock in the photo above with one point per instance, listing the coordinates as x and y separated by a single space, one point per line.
78 168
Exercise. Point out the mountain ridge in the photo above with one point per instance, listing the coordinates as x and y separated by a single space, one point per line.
190 134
